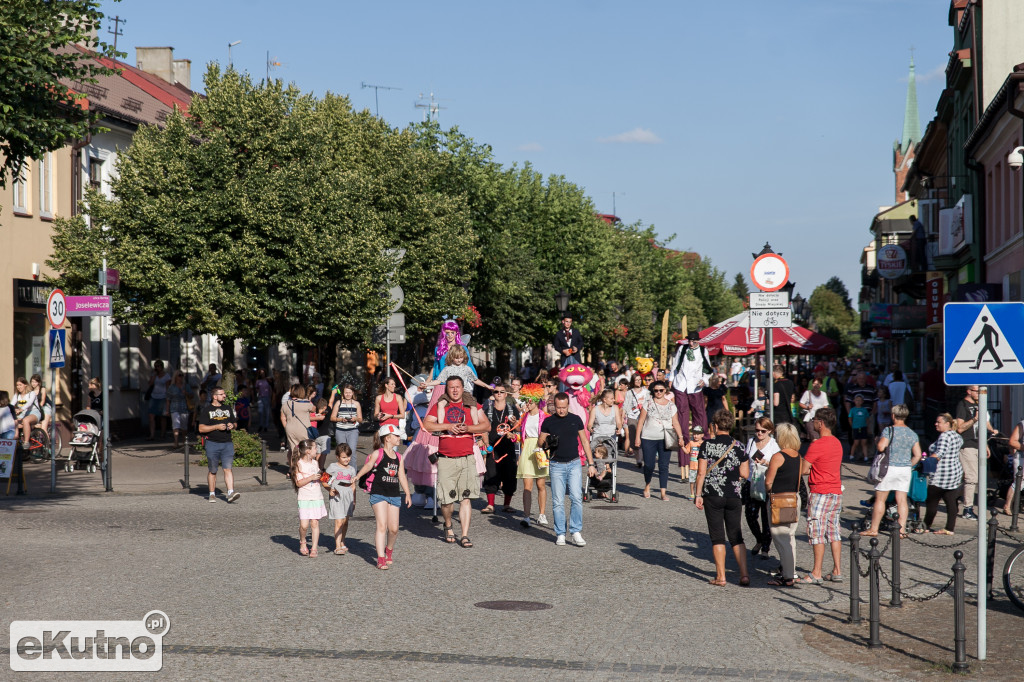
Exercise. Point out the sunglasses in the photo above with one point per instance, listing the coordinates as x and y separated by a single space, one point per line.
498 392
659 390
761 431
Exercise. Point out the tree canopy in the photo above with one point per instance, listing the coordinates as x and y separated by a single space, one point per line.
266 214
37 113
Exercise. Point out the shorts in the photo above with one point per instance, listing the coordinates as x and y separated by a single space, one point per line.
693 476
860 433
179 421
823 518
896 478
393 501
457 479
222 454
157 406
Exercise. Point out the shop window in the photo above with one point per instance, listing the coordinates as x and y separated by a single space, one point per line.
46 186
129 355
29 344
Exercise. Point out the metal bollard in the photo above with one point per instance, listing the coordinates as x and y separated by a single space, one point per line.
187 487
993 524
1016 491
855 578
263 448
873 609
959 614
896 600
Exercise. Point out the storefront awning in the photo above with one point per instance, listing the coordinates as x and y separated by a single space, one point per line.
894 219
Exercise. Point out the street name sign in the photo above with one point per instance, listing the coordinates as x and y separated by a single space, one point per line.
771 317
984 343
769 299
87 306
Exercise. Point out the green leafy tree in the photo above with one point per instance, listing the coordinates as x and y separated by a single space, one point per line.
740 287
832 318
835 285
37 113
255 216
717 300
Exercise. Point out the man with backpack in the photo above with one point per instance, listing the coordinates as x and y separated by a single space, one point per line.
690 373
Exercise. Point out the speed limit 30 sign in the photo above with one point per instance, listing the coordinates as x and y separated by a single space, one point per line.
56 309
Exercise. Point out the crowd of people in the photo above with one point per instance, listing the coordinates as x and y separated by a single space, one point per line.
563 430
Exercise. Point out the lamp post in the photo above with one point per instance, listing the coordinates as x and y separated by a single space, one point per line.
562 301
231 45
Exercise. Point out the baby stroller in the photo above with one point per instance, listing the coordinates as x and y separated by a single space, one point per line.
917 495
612 443
86 441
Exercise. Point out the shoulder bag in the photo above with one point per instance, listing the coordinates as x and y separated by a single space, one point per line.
880 465
785 506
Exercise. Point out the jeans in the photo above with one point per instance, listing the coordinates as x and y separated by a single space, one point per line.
349 437
567 475
652 449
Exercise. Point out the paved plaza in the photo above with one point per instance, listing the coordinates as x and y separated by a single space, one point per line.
634 602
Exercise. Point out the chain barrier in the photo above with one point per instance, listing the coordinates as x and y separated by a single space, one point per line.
127 453
881 552
911 537
944 588
1016 537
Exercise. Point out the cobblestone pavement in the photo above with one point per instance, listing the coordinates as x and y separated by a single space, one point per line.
635 601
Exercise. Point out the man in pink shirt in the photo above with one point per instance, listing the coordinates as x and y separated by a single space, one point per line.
823 461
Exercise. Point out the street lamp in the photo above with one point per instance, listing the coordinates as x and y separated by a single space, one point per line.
231 45
562 301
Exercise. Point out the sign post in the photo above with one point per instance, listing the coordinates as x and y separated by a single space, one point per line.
769 273
980 352
105 345
56 313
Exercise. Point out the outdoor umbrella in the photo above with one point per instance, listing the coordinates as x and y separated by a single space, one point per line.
734 337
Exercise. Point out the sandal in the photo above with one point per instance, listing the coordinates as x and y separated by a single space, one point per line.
943 531
716 582
387 556
507 509
834 577
869 533
464 542
449 534
782 582
382 563
302 549
312 553
903 536
341 550
487 510
811 580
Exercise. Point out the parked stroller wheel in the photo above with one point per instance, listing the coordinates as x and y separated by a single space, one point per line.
92 468
67 468
613 498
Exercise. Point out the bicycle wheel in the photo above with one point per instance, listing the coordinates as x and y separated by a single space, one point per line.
40 444
1013 578
58 445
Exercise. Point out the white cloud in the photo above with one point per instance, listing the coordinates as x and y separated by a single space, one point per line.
531 147
634 136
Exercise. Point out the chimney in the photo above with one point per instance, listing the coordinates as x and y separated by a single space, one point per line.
158 61
183 72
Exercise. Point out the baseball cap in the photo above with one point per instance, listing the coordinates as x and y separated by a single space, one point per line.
389 430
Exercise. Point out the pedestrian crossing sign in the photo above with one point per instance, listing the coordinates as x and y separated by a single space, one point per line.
984 343
57 355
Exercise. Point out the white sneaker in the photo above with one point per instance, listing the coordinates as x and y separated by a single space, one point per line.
577 539
542 520
560 541
428 503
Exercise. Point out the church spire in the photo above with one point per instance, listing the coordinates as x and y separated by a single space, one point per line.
911 121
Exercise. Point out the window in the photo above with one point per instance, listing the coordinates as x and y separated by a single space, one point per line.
46 186
95 173
129 350
20 185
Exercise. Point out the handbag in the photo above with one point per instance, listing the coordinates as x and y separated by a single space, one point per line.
311 432
880 465
929 465
784 508
671 440
757 483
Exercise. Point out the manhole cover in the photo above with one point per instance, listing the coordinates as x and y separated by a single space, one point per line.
612 506
508 605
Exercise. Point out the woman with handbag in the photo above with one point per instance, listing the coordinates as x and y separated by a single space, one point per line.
760 450
901 445
783 484
658 433
721 469
298 415
945 473
636 396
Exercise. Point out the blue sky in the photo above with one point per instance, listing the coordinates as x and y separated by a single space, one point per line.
726 124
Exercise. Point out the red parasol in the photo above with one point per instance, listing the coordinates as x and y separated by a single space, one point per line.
734 337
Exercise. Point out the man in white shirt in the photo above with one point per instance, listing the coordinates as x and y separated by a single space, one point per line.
689 372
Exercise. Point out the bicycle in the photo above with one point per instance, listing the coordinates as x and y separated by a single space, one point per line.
1013 577
38 447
